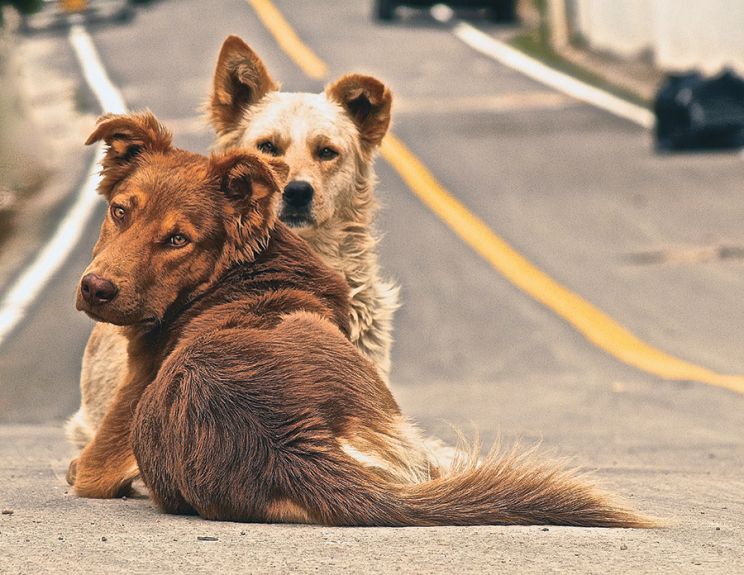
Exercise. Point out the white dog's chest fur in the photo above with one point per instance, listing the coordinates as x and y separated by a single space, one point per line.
373 301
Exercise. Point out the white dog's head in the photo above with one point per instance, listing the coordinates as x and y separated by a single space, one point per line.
328 140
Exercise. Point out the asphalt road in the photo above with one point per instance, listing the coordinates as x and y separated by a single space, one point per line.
574 189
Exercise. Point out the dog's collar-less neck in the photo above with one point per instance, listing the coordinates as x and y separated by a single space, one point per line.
234 278
236 274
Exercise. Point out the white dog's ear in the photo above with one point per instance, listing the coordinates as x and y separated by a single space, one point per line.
368 102
240 80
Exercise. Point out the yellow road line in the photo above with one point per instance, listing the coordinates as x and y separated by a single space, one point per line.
592 323
595 325
288 40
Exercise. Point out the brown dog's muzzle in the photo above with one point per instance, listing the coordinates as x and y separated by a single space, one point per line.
97 291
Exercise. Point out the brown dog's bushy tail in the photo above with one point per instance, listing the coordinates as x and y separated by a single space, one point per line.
502 489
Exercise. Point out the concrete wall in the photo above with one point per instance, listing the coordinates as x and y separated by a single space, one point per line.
622 27
680 34
706 34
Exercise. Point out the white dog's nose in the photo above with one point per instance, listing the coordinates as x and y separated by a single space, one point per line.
298 193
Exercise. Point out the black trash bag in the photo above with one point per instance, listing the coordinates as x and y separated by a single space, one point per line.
694 112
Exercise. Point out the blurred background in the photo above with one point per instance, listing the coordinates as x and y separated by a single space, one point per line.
594 144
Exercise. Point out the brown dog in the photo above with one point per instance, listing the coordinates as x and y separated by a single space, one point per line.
254 404
328 140
140 277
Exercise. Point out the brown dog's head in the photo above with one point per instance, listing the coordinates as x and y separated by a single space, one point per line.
175 221
327 140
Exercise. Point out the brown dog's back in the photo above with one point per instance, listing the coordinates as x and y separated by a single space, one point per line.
257 391
245 417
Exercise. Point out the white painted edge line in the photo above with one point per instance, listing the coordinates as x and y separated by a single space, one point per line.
34 278
508 56
108 95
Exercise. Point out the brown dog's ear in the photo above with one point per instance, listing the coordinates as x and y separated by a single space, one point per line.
127 136
368 102
251 189
240 80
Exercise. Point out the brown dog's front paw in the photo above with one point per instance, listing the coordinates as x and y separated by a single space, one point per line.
72 472
96 488
104 483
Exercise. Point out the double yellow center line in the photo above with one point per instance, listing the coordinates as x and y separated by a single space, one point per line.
595 325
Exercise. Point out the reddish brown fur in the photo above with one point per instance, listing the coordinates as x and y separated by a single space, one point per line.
248 381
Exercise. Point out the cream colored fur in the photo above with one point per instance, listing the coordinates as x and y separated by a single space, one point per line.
104 367
400 457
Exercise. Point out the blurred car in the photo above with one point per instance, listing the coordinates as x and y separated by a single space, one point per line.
694 112
56 12
498 10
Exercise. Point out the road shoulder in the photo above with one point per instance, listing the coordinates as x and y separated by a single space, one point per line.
57 113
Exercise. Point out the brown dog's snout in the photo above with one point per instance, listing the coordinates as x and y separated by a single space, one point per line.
97 290
298 194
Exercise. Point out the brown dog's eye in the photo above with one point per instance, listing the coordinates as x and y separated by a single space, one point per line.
327 153
177 240
268 148
118 213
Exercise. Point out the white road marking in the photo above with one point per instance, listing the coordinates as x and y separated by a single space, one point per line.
516 60
35 277
95 74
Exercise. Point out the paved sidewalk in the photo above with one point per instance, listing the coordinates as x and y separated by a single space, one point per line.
52 531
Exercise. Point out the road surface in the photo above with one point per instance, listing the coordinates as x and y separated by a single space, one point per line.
655 242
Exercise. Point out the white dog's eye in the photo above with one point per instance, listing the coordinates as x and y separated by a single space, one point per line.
268 148
327 153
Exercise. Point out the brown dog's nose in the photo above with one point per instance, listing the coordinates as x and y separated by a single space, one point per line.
97 290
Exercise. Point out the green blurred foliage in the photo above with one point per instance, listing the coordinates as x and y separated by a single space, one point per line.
23 6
